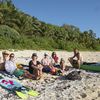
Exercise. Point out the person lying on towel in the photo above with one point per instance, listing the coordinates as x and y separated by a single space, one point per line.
11 68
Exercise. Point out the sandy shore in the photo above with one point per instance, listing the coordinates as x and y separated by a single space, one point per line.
25 56
58 87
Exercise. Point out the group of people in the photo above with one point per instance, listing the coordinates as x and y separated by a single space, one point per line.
36 68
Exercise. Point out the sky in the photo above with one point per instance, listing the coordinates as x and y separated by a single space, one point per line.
84 14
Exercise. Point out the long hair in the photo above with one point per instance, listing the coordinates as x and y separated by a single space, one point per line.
53 54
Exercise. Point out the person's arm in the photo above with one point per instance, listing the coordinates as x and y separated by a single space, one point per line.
73 56
78 56
40 67
42 61
37 66
50 62
34 67
6 66
31 65
79 59
57 59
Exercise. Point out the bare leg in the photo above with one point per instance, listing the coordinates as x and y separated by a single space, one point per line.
28 75
37 74
63 67
67 68
74 63
78 62
71 61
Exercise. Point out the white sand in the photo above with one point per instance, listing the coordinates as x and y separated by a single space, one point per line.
51 88
25 55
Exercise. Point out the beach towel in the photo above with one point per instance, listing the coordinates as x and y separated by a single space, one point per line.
6 74
9 84
18 72
15 87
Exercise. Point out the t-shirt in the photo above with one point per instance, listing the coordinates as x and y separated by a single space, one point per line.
45 62
55 59
31 65
10 66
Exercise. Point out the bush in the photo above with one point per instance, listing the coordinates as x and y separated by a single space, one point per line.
7 32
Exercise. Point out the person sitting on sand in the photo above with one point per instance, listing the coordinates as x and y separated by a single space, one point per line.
35 67
5 55
63 67
62 64
76 60
55 57
46 62
11 68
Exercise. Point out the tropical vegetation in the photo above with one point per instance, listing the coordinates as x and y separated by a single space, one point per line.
19 30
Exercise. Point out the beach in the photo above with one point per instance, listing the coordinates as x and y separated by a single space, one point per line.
24 56
53 87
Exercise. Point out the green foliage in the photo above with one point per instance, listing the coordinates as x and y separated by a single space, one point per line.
6 31
21 31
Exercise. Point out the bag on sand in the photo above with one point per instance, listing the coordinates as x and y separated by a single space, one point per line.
53 71
74 75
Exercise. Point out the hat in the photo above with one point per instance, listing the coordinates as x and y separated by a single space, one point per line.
34 54
6 52
45 54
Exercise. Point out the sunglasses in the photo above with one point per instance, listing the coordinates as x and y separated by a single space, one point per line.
6 54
